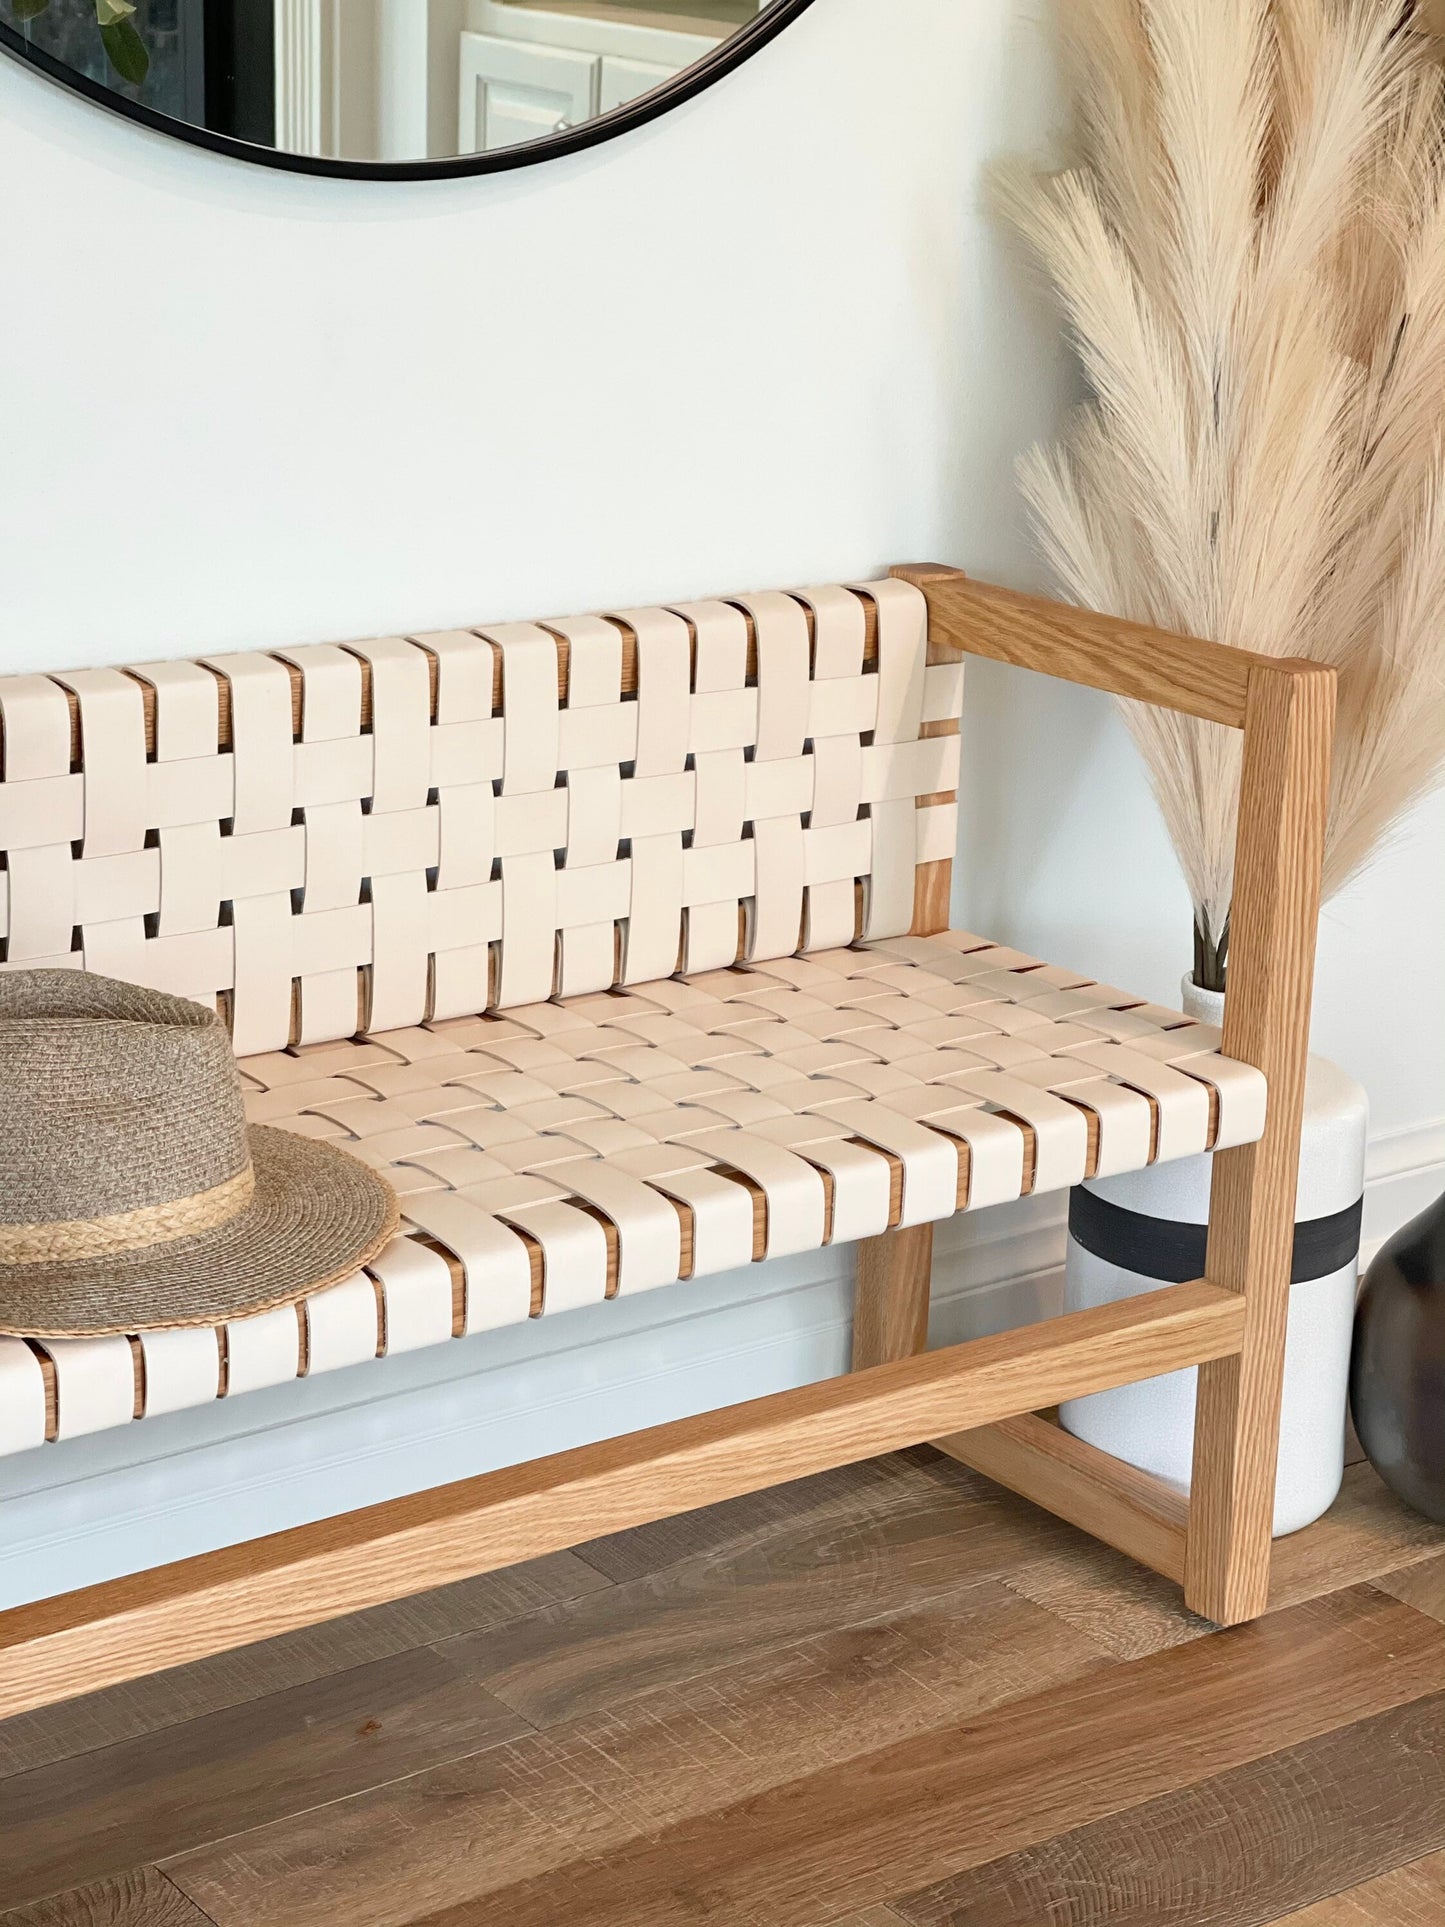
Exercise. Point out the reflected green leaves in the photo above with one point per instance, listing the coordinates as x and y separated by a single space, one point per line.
124 48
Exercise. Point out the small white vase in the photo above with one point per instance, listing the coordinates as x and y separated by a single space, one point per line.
1155 1224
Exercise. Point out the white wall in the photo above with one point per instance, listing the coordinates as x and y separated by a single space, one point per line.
765 340
773 338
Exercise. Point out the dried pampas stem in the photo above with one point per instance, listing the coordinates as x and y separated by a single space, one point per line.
1251 255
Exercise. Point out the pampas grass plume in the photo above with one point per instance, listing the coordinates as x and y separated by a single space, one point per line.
1250 252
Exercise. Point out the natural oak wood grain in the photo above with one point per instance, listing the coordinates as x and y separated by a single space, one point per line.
906 1816
1280 849
846 1496
1131 1611
1206 679
616 1774
874 1917
1286 710
890 1551
758 1643
1233 1850
140 1898
1365 1533
932 894
890 1296
1124 1607
895 1543
146 1706
1115 1502
178 1789
1409 1897
1420 1585
86 1640
933 882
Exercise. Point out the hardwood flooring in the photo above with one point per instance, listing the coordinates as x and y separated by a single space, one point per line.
892 1696
1408 1897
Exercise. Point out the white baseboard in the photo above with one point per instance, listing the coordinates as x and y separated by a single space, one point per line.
74 1514
1404 1174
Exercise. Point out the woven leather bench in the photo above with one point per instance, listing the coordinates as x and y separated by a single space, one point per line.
620 944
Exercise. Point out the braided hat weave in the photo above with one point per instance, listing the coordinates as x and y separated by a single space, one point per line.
133 1194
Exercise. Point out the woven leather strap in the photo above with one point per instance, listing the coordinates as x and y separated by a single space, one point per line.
332 840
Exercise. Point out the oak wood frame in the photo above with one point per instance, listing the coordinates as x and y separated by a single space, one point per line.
1218 1542
978 1400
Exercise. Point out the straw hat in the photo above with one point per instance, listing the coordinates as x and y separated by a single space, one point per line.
133 1194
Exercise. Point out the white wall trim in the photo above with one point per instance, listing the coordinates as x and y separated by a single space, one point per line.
74 1514
1404 1172
304 30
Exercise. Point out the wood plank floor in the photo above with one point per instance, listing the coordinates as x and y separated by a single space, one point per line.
891 1696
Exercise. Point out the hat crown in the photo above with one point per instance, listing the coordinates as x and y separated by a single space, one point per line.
113 1099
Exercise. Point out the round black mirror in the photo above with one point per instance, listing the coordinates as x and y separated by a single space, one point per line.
390 89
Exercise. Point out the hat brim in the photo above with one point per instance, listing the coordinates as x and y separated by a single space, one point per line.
317 1215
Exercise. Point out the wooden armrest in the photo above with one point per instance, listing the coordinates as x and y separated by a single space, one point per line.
1286 709
1285 706
1205 679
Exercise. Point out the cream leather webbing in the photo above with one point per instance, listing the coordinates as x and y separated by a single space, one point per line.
455 853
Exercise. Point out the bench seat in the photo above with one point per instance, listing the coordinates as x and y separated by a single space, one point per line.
558 1154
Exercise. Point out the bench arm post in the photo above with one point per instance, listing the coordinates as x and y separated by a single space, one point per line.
1288 734
1286 709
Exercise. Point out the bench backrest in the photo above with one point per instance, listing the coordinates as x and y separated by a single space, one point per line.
329 840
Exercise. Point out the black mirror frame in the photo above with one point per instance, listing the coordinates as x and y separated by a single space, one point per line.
727 55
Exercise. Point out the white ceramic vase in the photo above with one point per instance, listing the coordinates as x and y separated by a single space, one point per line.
1131 1234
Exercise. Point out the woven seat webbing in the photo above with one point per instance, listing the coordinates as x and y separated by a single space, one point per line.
554 1154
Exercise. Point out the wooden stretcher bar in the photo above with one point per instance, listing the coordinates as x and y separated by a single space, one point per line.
83 1641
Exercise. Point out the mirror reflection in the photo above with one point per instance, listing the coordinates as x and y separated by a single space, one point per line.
380 80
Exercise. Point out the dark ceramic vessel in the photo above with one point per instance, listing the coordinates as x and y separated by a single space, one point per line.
1397 1374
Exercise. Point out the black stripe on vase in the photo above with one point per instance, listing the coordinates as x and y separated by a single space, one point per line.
1172 1251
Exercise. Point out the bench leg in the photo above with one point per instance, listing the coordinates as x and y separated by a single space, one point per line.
1252 1203
1236 1427
890 1296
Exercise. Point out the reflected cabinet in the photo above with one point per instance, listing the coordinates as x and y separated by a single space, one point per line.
390 87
